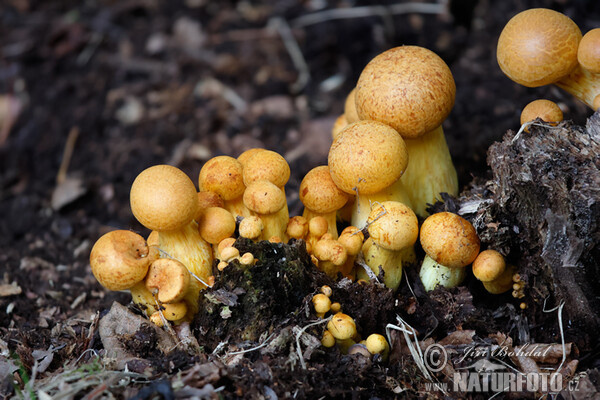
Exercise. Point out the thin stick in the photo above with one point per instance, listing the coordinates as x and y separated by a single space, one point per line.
67 153
260 346
299 334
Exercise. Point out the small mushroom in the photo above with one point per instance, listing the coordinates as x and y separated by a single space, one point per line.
377 344
352 239
342 326
331 255
216 224
489 265
266 200
169 279
251 227
545 110
171 312
297 227
321 303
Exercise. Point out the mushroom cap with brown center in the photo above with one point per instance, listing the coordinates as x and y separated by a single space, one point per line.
222 175
588 53
163 198
319 193
449 240
368 156
263 197
409 88
393 225
488 265
538 47
267 165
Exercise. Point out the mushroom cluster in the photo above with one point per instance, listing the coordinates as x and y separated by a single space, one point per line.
539 47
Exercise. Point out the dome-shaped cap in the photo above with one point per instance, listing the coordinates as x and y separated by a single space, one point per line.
368 156
449 240
266 165
538 47
222 175
588 53
163 198
263 197
393 225
319 193
409 88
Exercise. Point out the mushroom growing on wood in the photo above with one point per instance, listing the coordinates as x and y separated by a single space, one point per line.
367 159
546 110
540 47
412 90
450 243
164 199
223 176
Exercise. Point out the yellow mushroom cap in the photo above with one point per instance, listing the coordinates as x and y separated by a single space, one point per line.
263 197
538 47
251 227
368 156
328 340
449 240
163 198
350 107
376 344
317 226
297 227
171 312
222 175
266 165
245 156
223 244
342 326
546 110
120 259
216 224
330 250
588 53
488 265
409 88
321 303
208 199
352 239
169 278
319 193
393 225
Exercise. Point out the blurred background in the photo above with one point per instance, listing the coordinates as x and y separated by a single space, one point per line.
92 92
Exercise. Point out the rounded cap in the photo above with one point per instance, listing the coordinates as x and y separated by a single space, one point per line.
206 200
352 239
263 197
169 278
488 265
321 303
339 124
317 226
245 156
163 198
350 108
393 225
377 344
222 175
319 193
342 326
266 165
449 240
297 227
409 88
546 110
330 250
251 227
588 53
216 224
368 156
538 47
120 259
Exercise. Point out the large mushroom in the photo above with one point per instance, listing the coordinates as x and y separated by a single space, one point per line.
540 47
412 90
164 199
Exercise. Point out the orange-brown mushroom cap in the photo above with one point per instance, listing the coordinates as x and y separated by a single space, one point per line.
266 165
163 198
222 175
488 265
263 197
245 156
449 240
546 110
319 193
588 53
409 88
368 156
216 224
393 225
169 278
538 47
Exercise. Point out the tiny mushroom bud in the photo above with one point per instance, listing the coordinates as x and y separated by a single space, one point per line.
297 227
545 110
352 239
336 307
503 283
539 47
317 227
342 326
222 265
321 197
450 243
216 224
251 227
377 344
331 255
328 340
229 253
223 175
393 227
367 159
247 259
411 89
168 278
321 303
488 265
267 200
171 312
120 259
326 290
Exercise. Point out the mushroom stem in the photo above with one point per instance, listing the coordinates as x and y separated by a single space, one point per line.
143 298
582 84
390 261
364 203
430 170
434 274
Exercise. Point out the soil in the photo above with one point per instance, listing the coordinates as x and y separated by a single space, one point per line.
134 83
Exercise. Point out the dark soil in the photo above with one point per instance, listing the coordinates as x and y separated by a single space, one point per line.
141 82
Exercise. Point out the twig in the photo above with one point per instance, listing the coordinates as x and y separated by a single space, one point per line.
300 333
67 153
368 11
291 45
260 346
